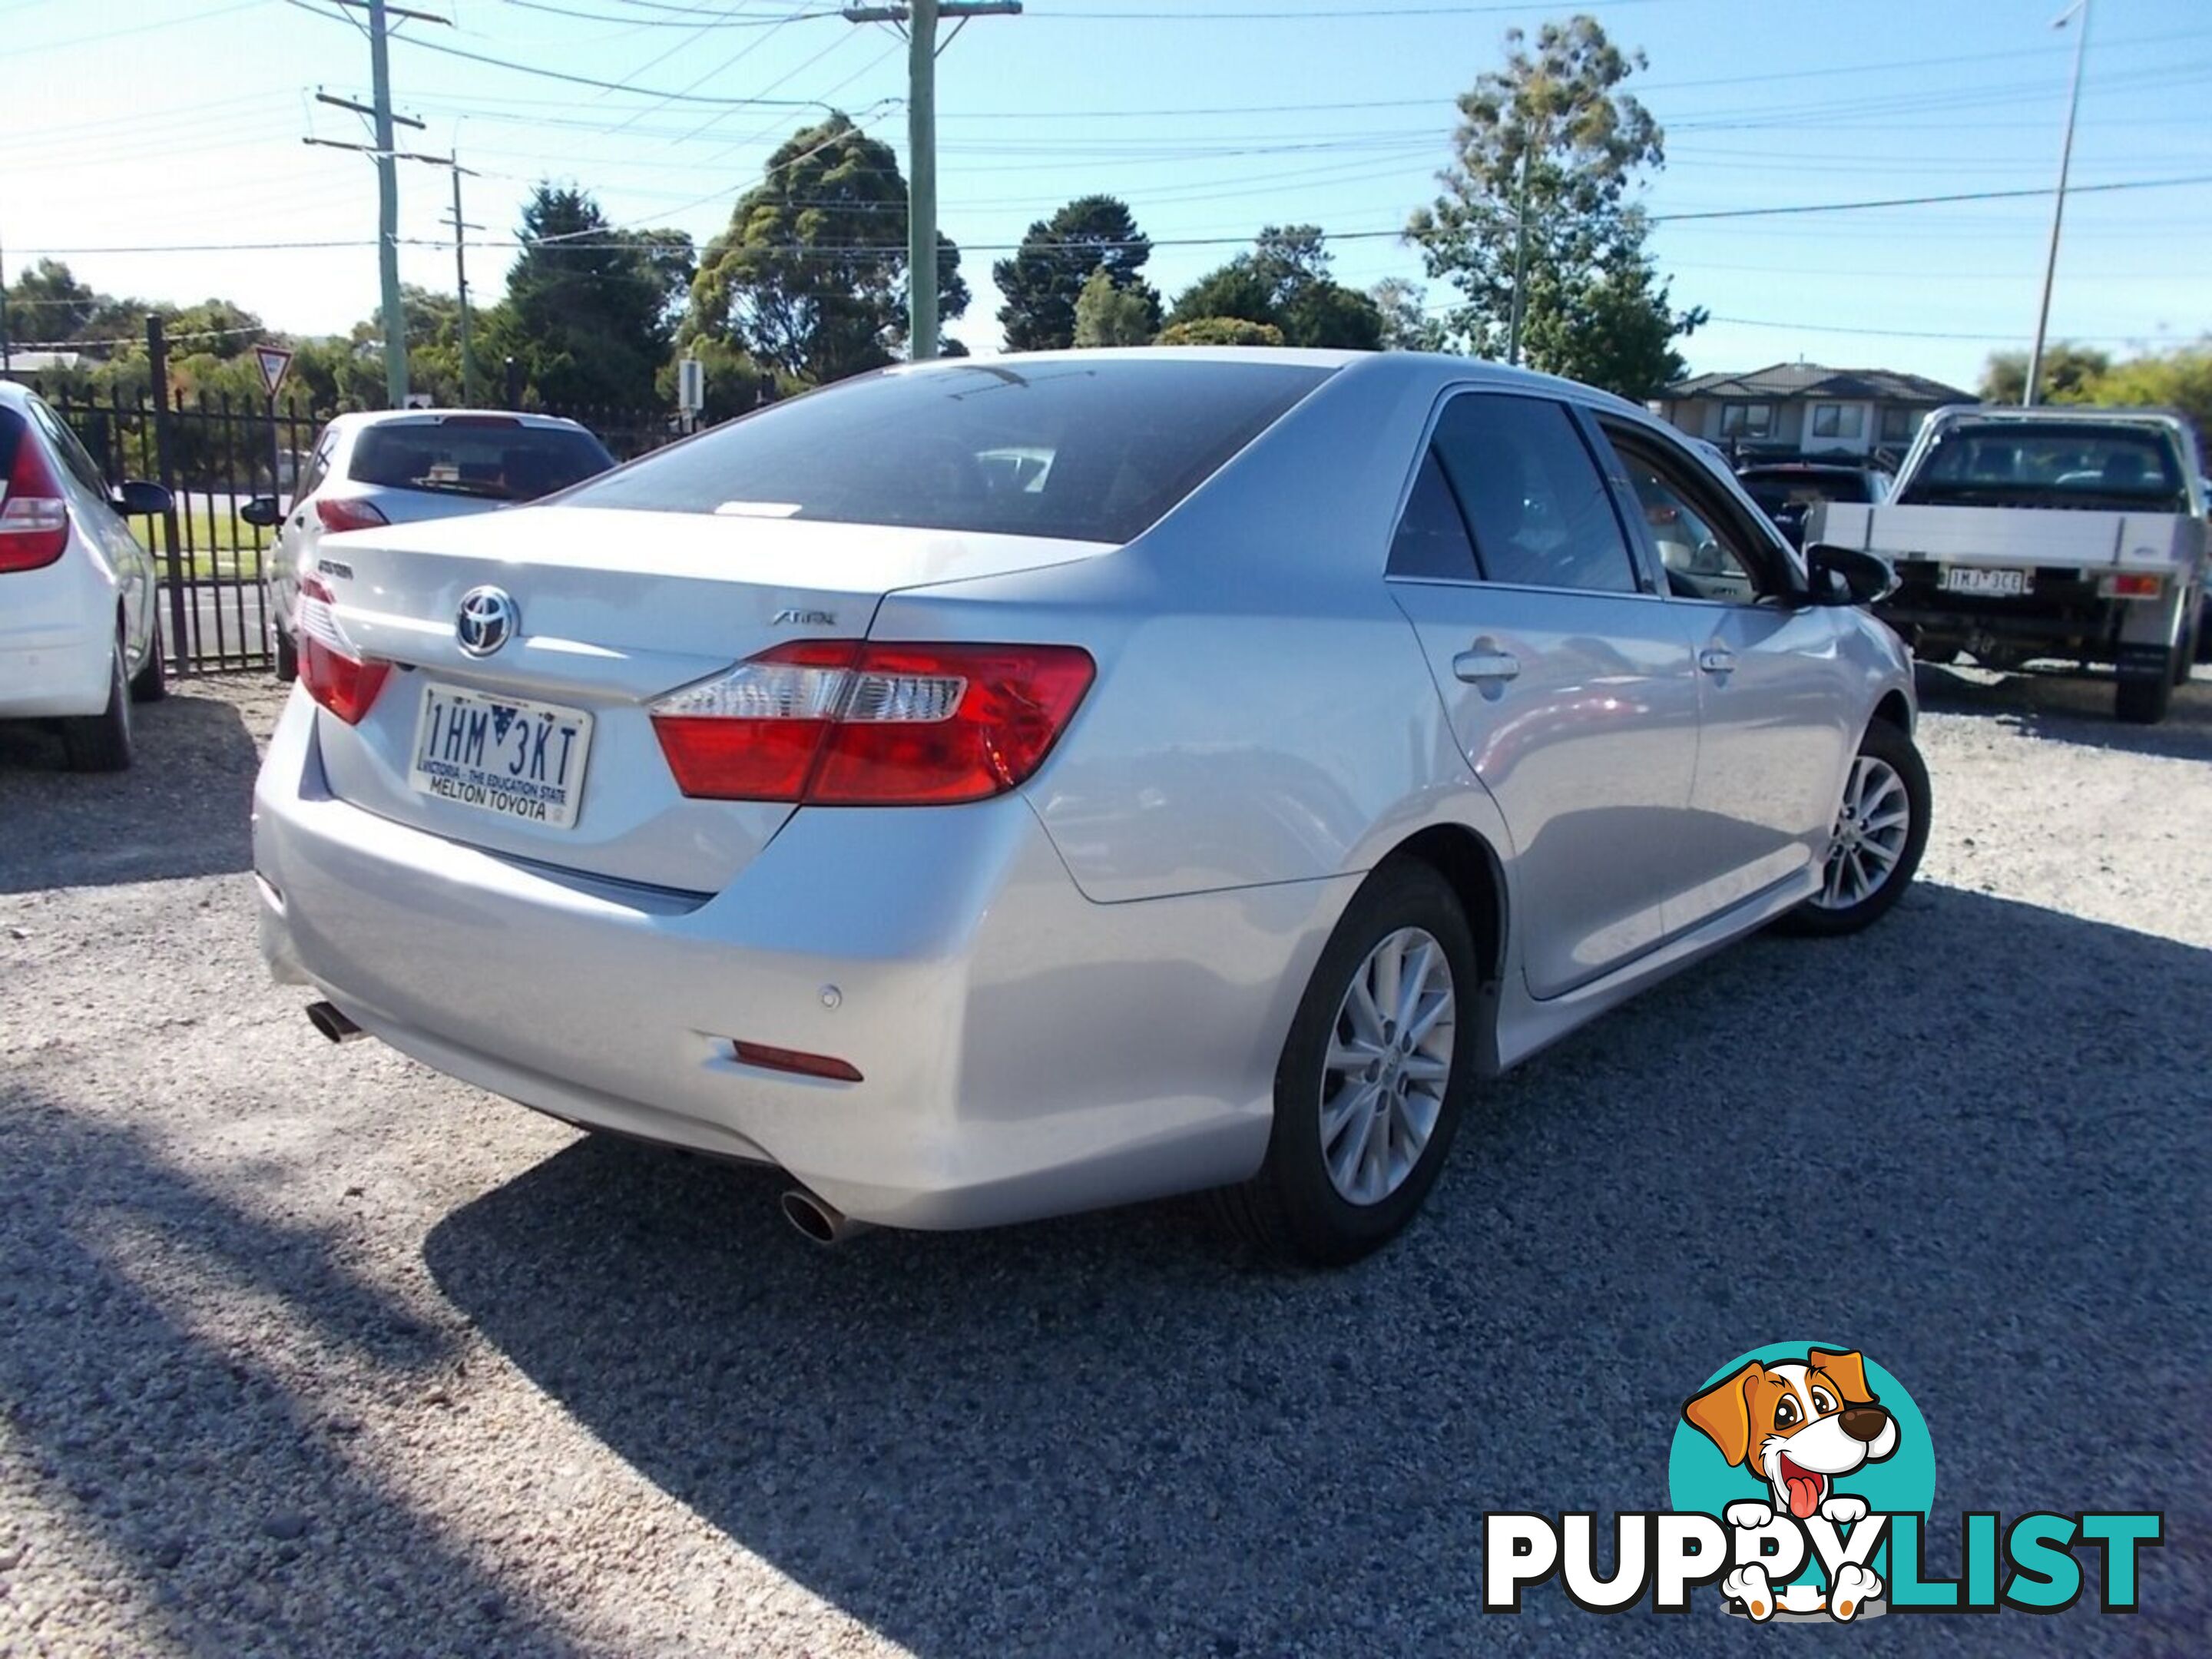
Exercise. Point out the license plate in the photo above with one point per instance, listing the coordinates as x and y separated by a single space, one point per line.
1989 584
503 754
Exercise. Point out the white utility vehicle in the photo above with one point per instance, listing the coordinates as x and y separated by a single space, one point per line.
2066 532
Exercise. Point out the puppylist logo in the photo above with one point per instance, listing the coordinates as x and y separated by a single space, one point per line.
1801 1478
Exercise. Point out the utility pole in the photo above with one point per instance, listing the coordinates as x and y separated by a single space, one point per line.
920 18
380 150
7 351
387 211
2058 207
1520 254
461 228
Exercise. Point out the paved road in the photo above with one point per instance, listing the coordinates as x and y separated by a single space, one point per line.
225 621
305 1350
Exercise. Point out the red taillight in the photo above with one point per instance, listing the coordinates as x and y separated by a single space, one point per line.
34 513
338 513
848 723
334 670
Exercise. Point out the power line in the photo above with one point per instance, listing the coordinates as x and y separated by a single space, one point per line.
840 250
714 20
1921 201
1364 13
614 86
1913 333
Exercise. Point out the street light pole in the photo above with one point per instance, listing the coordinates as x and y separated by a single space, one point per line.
2059 207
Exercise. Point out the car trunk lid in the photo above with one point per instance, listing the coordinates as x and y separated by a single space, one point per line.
610 610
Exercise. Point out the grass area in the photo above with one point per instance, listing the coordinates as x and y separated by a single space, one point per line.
217 552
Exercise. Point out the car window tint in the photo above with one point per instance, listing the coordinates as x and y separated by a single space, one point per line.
493 459
319 464
1541 511
73 454
1094 450
1433 539
1705 557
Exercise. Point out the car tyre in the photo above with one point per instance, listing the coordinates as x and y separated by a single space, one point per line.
2145 699
288 657
151 683
101 742
1295 1207
1887 766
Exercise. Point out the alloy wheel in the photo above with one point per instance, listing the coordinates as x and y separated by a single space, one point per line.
1871 828
1389 1063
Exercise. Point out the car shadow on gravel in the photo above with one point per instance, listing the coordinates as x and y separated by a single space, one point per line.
2073 708
234 1513
181 810
1115 1432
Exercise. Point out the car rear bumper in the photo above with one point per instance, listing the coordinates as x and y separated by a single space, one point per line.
57 642
1023 1051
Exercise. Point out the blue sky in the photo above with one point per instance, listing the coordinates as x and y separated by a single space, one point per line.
160 124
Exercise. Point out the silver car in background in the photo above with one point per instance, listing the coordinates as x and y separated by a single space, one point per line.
402 466
1209 796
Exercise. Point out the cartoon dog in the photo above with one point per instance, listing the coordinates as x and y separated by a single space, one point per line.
1800 1426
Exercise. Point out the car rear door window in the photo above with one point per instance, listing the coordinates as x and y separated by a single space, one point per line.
1541 512
1096 450
1432 542
73 454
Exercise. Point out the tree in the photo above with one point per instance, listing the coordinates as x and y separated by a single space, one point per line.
589 312
1220 330
2181 379
1407 324
1284 283
1108 315
2068 370
1550 142
1047 274
810 278
47 302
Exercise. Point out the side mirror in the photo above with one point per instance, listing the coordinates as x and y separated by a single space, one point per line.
138 499
1845 575
262 512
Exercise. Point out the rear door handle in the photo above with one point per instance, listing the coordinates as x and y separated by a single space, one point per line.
1715 660
1481 664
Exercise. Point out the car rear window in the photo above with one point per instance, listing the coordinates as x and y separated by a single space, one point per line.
493 460
1088 451
1774 491
2053 465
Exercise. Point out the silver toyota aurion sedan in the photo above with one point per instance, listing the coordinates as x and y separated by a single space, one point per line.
998 788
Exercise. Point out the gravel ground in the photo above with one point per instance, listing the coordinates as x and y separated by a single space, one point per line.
306 1351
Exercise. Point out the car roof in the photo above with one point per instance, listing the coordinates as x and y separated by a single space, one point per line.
360 420
1414 368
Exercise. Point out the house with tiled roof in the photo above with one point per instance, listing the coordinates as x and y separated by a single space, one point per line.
1806 409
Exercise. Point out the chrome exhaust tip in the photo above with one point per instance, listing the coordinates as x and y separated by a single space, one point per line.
325 1018
817 1218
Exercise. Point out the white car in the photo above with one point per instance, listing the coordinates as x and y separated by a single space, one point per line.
402 466
1325 734
80 635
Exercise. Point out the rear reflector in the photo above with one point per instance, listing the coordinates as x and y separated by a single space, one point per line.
2131 585
791 1060
35 514
852 723
332 668
338 513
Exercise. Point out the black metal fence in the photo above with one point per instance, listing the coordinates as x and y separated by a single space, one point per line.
215 455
